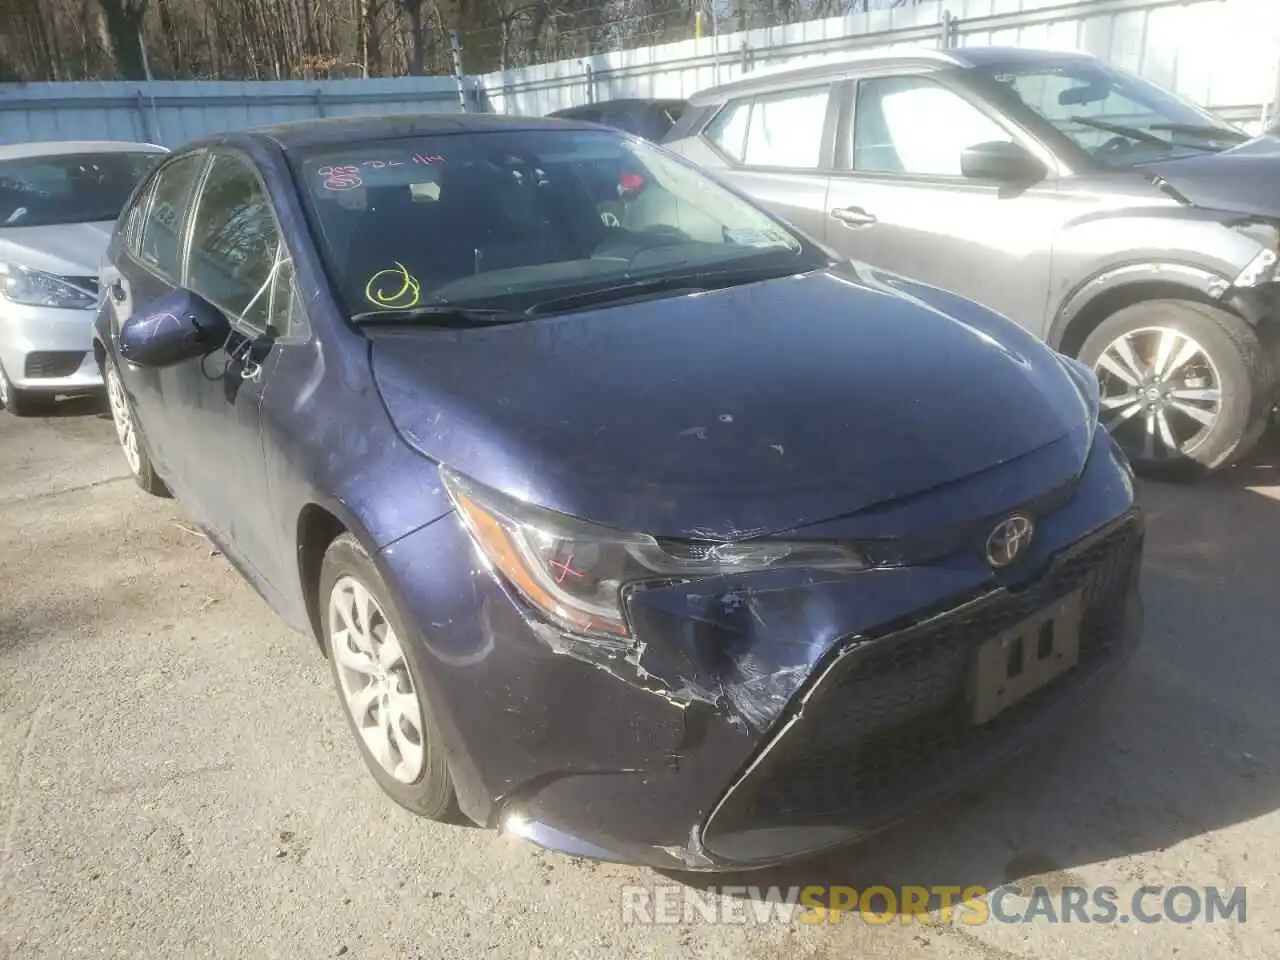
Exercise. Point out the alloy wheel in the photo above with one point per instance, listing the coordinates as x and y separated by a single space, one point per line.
122 417
1161 392
376 684
4 390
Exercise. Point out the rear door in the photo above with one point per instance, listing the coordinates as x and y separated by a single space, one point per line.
776 147
146 266
899 201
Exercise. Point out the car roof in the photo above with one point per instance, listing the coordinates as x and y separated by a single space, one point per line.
56 148
338 131
626 101
961 57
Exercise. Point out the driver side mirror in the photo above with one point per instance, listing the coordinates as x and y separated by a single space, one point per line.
1001 161
180 326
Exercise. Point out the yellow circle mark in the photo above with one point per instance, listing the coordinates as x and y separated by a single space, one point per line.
393 287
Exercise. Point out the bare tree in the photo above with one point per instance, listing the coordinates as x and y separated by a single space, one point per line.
120 30
281 39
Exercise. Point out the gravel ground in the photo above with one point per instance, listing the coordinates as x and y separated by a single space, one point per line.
177 779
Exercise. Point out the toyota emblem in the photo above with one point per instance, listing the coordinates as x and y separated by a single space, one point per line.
1009 539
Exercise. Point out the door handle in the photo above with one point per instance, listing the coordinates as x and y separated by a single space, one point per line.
116 289
853 216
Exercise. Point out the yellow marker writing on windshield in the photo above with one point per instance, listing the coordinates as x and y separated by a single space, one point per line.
393 287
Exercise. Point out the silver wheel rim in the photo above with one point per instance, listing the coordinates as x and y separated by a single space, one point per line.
4 389
122 417
1161 392
376 684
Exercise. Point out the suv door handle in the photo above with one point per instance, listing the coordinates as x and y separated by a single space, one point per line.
853 216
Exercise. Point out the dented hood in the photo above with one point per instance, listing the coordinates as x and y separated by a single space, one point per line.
730 413
1244 179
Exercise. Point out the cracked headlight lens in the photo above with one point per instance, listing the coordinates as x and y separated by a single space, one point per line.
1265 266
573 571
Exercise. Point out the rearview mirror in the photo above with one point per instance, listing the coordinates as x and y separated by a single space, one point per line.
1090 92
1001 161
180 326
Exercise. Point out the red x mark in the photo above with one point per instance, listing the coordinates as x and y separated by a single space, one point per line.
563 569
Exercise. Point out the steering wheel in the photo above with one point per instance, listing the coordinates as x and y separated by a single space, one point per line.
1114 146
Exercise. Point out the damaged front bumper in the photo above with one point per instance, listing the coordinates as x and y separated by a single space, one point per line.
757 717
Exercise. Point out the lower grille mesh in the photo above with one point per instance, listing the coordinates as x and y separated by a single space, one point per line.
44 364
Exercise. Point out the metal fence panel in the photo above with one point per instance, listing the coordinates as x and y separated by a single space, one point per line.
172 112
1221 53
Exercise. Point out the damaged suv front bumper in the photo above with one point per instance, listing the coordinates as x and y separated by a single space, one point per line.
759 717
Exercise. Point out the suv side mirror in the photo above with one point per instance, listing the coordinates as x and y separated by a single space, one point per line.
1001 161
180 326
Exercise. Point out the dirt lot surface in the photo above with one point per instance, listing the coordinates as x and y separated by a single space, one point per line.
177 779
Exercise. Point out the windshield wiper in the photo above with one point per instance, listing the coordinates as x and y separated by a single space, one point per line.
1204 130
439 315
690 282
1134 133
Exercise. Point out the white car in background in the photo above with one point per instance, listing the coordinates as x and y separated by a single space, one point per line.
58 206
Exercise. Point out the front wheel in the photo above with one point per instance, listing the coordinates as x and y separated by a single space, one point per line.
21 403
380 686
1186 386
129 433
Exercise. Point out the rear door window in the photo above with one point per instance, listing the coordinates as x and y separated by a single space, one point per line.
774 130
159 239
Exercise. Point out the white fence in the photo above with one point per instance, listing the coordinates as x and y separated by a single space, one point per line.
1224 54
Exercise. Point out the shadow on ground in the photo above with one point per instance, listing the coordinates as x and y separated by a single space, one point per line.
1184 742
76 407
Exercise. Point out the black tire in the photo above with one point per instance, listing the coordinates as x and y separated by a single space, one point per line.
1241 366
431 794
144 474
22 403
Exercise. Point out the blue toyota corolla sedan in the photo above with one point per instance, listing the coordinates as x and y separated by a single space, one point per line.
629 519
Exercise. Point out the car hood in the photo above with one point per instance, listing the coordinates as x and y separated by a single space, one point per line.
1244 179
731 413
67 249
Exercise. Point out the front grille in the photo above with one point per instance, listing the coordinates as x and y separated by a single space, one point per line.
53 363
888 725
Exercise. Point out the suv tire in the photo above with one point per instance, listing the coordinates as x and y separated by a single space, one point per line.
1181 371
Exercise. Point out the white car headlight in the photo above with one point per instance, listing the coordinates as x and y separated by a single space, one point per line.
34 288
573 572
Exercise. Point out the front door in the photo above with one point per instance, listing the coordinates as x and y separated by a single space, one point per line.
145 267
235 260
901 202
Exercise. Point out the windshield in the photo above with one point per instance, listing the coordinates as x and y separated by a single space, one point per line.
1118 118
512 219
69 188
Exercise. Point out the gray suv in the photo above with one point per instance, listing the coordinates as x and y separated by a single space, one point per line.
1123 224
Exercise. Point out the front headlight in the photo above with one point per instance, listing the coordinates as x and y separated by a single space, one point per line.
1086 382
574 572
35 288
1265 265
